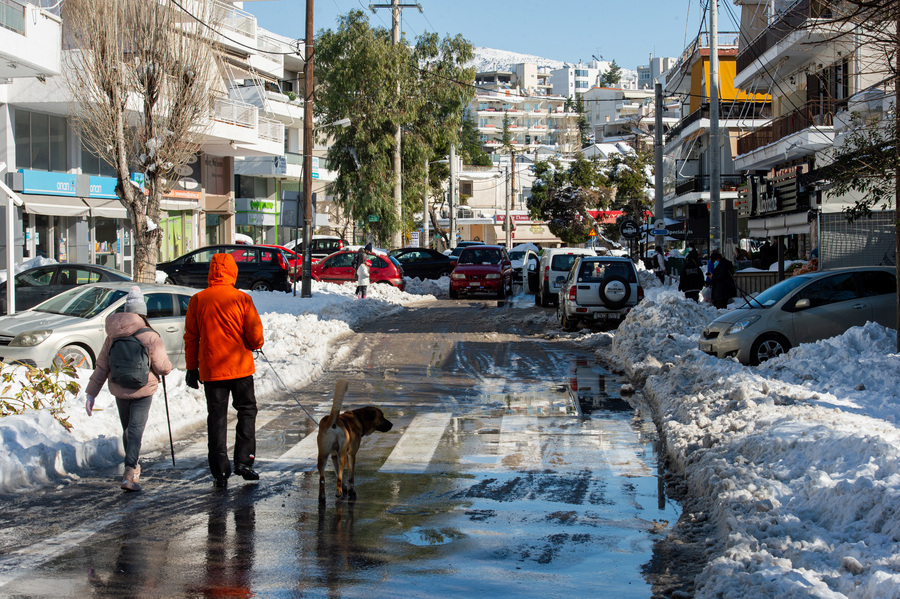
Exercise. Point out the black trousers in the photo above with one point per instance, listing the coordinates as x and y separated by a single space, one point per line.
243 399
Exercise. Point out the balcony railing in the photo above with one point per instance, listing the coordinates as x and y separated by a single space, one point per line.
12 16
235 19
818 113
791 20
727 110
700 183
271 130
232 112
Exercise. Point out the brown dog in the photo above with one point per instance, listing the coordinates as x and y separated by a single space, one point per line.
340 435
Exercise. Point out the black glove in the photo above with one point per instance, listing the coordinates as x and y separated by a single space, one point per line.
192 379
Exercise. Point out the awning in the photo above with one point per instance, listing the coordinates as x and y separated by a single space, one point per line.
178 204
524 233
783 224
54 205
106 208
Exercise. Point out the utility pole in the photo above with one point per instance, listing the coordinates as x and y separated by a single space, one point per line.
396 8
658 162
425 213
507 224
715 152
452 235
306 277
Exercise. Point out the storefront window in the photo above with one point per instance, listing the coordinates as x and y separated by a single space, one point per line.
106 238
93 165
213 231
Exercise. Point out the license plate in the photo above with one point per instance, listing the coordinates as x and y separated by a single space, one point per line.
706 346
557 285
474 284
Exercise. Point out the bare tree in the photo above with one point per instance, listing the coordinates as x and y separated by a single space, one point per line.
143 74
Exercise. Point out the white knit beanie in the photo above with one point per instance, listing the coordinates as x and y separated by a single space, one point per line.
134 303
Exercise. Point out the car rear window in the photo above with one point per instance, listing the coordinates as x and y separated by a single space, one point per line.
595 271
479 256
563 261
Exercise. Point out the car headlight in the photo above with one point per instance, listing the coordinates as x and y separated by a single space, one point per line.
493 275
458 276
30 338
741 325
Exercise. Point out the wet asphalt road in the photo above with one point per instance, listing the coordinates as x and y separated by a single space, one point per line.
514 468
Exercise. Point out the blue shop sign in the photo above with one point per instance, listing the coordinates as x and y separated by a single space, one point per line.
44 183
103 187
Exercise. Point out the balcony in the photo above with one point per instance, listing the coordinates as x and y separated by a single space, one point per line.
273 104
238 26
745 111
30 41
818 113
680 78
270 58
793 40
701 183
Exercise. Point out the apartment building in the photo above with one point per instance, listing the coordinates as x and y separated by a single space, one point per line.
534 121
816 82
71 211
574 80
687 149
649 74
629 115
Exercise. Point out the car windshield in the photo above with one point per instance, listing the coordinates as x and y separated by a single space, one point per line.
479 256
83 302
776 293
517 254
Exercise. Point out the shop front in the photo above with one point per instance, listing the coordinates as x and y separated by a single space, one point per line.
257 218
524 231
779 210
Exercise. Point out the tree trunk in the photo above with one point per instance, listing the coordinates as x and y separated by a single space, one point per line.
897 176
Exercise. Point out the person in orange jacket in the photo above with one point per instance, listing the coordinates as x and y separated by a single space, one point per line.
221 330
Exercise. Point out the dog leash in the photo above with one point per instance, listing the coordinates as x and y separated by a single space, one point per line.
275 372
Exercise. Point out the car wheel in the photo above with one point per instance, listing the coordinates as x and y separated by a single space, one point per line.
261 286
454 294
767 347
443 274
169 281
570 325
73 355
537 298
614 292
501 292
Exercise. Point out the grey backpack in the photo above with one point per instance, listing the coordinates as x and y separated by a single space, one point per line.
129 361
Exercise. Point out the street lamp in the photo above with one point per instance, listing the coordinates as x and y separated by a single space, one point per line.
306 276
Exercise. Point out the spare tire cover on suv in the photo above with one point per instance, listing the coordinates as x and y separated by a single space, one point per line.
614 291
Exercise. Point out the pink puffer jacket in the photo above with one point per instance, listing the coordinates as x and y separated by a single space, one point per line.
123 324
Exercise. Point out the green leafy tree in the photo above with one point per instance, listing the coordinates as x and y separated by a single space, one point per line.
612 76
360 71
506 136
584 130
630 175
563 197
470 144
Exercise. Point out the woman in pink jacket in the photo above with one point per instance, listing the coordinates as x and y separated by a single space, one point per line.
133 404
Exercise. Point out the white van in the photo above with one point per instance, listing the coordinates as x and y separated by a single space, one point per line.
553 269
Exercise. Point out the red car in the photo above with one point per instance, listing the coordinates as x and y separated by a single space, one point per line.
482 269
338 268
294 259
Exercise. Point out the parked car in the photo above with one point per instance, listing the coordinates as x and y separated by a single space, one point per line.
531 271
338 268
294 259
70 328
322 245
40 283
423 263
599 290
552 272
261 268
803 309
517 256
454 253
482 269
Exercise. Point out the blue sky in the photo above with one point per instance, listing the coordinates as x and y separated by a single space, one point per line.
625 30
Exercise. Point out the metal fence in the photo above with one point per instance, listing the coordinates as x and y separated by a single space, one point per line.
864 242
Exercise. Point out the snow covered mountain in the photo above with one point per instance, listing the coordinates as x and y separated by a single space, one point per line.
491 59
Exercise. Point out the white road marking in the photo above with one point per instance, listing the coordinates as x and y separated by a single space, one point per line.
417 444
519 447
200 449
302 456
24 561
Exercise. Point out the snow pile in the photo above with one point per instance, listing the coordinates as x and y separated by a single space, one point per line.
798 460
302 335
31 263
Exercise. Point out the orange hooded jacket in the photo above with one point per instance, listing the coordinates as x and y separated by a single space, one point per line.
222 326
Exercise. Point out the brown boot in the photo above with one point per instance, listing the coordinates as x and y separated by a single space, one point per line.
128 482
137 474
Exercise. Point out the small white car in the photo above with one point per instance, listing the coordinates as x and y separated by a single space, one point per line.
552 271
599 290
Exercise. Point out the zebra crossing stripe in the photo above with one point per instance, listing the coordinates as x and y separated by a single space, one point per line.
302 456
417 445
520 443
200 449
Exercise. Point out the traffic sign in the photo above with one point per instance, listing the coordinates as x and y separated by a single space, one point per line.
659 231
629 229
373 218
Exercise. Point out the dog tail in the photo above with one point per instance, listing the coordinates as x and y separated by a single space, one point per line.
340 390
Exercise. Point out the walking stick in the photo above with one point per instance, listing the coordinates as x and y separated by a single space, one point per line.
168 421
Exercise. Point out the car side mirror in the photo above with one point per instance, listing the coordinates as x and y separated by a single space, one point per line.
802 304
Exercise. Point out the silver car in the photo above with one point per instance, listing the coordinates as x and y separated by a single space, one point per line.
803 309
599 291
70 328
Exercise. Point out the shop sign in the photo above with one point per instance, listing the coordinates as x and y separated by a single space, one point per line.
44 183
102 187
629 229
513 217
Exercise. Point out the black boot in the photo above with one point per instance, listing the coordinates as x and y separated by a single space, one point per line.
246 472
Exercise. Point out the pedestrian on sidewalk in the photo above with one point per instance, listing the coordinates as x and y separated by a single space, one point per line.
691 280
362 278
127 369
722 281
659 264
222 329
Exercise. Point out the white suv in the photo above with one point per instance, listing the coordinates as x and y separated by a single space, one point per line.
598 290
555 265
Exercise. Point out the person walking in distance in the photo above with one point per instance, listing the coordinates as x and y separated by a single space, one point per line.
722 281
362 278
659 265
221 330
691 281
132 359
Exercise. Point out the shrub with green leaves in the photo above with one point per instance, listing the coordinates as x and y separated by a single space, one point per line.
29 388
